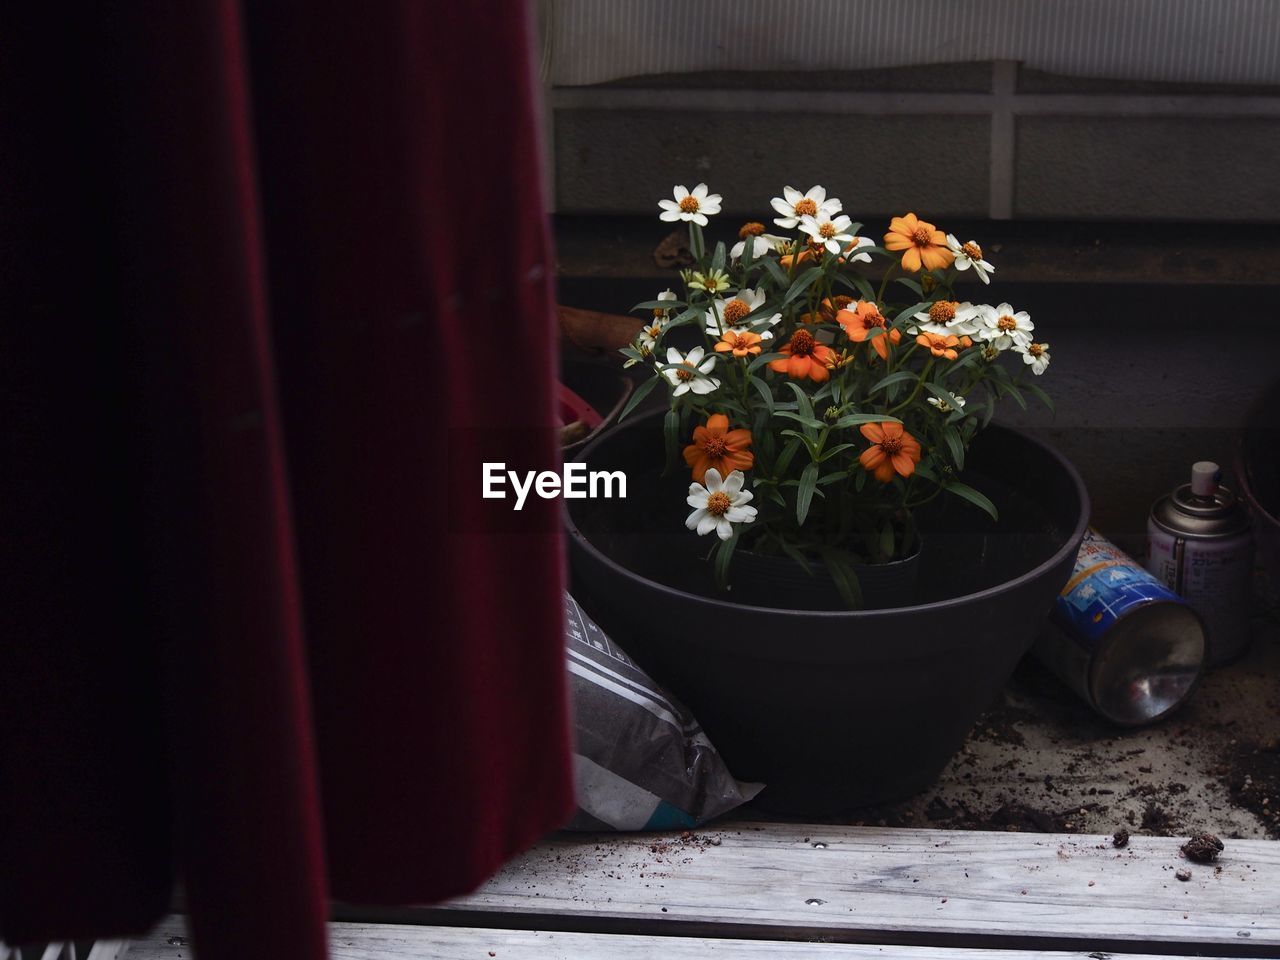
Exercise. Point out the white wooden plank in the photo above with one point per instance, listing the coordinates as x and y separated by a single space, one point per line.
915 886
109 950
355 941
52 951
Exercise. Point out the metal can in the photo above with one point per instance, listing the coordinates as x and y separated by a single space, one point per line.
1200 546
1121 639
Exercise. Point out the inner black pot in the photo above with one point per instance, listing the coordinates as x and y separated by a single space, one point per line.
832 709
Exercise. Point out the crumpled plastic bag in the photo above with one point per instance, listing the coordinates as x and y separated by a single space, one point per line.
641 760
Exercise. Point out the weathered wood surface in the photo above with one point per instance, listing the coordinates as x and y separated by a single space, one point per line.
870 885
385 941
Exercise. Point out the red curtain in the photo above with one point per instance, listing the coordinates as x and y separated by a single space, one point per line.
274 280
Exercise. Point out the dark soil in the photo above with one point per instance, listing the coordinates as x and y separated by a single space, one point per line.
1202 848
1252 774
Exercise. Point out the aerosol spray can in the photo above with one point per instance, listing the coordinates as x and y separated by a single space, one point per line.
1121 639
1199 545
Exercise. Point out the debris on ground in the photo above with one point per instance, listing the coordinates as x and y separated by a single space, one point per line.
1184 874
1120 838
1202 848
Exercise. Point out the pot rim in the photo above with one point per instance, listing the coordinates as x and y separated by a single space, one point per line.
1071 546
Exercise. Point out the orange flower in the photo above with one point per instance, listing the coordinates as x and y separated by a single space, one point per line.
715 445
827 309
892 451
805 358
861 319
740 343
922 243
940 345
811 251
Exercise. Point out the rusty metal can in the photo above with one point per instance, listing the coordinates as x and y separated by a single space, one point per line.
1129 646
1200 546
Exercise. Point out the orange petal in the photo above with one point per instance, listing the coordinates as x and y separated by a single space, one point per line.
717 424
798 367
872 431
911 260
817 372
935 258
778 366
884 472
738 438
881 344
903 464
722 346
891 430
871 457
896 241
691 454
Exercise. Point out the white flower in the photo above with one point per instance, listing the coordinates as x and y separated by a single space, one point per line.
692 205
1003 327
689 372
727 315
667 294
970 255
858 243
947 317
650 334
719 505
1036 355
828 231
761 244
794 205
942 405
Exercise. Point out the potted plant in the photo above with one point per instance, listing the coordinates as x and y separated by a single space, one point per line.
829 439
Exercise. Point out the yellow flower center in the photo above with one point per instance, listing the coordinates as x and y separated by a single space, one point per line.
802 343
715 447
807 207
921 237
891 445
872 320
751 229
734 311
718 503
741 343
827 230
1036 349
653 331
944 311
689 204
684 374
1006 323
972 251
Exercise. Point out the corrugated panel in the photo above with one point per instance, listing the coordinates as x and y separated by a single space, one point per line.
1197 41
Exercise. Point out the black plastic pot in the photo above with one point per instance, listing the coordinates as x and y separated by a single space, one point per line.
781 581
831 709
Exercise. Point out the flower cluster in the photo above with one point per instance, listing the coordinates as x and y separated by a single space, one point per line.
793 381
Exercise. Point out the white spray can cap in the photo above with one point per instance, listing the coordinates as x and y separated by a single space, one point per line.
1205 477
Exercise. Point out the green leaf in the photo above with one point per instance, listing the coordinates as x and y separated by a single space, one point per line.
918 308
943 394
832 451
809 443
761 360
886 540
1016 394
718 258
804 496
891 379
802 400
972 356
802 283
671 431
803 420
955 445
762 388
831 478
723 556
776 272
659 305
639 394
857 419
966 492
840 566
788 454
1040 395
796 555
911 285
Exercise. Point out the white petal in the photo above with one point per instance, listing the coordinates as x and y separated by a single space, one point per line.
841 223
694 356
962 263
788 223
740 514
681 388
733 482
708 366
699 219
697 495
681 192
724 529
737 249
713 480
793 195
707 524
700 191
817 194
780 205
712 200
695 518
670 215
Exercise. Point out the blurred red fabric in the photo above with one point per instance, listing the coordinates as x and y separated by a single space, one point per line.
274 279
